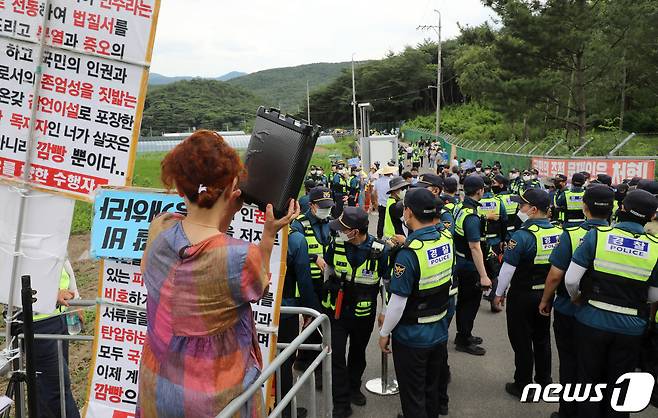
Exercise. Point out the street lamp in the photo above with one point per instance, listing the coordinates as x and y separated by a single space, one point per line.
437 29
353 97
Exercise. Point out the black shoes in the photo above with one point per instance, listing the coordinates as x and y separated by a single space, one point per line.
443 409
301 413
342 412
358 398
473 349
475 340
513 390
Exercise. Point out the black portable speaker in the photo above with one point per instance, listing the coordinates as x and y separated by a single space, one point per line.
278 156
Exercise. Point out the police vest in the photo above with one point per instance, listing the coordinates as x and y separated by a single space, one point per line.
576 236
315 248
64 283
491 206
531 274
428 302
574 210
618 279
511 208
461 243
342 185
389 229
362 282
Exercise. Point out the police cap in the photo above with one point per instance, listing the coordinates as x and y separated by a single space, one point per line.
640 204
352 218
321 196
578 179
600 196
421 202
534 197
429 180
473 183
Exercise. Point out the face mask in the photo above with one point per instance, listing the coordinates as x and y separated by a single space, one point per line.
527 178
523 216
534 177
313 172
496 189
323 213
343 236
513 176
487 172
478 169
403 193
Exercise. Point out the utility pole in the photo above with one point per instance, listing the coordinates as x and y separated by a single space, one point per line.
353 98
308 103
437 29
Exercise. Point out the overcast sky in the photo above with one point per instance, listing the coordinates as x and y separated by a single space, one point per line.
209 38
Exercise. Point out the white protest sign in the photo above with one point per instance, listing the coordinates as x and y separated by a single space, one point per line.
91 92
43 245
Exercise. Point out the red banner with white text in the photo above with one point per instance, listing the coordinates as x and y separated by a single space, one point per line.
618 168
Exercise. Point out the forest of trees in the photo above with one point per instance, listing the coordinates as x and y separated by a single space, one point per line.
571 65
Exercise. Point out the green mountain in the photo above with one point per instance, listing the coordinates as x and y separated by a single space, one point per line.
197 103
286 87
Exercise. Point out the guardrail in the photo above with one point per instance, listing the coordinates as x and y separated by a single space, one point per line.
321 322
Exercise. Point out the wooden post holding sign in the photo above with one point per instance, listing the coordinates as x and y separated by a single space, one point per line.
119 232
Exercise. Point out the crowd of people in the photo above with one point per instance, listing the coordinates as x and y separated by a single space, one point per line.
580 249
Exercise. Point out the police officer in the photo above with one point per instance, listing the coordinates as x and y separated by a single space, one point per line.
570 203
305 201
471 249
354 187
449 195
298 290
560 183
500 189
359 261
597 205
314 226
434 184
525 265
420 287
415 158
339 186
616 269
495 230
324 181
530 181
392 223
515 181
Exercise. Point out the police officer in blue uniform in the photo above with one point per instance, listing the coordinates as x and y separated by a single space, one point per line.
359 263
314 226
340 188
525 265
449 195
569 203
613 273
560 184
297 291
471 250
434 183
597 205
420 288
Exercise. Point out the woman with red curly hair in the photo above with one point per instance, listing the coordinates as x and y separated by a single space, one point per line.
201 349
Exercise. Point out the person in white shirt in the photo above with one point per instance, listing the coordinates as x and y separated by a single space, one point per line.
381 196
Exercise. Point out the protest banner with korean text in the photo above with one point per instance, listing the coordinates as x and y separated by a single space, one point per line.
89 97
119 231
617 168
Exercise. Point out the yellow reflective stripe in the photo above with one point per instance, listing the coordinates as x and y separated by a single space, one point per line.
538 287
613 308
453 291
434 281
636 273
366 280
433 318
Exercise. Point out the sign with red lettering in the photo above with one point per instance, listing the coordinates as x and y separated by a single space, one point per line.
617 168
89 96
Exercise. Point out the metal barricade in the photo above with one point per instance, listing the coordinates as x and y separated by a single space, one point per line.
321 322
